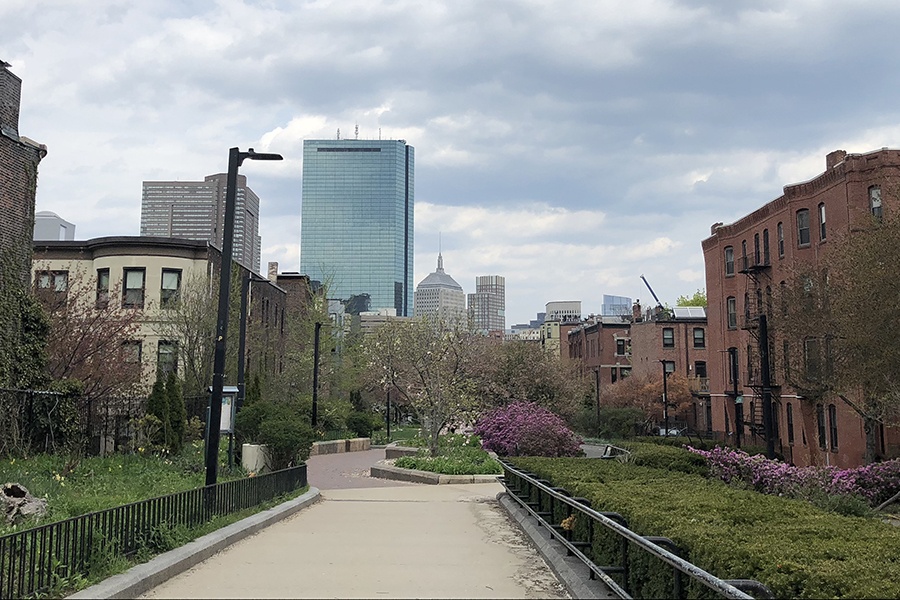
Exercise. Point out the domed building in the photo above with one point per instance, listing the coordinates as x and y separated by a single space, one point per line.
438 295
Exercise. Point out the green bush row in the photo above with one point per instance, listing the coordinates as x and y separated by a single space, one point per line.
452 461
796 549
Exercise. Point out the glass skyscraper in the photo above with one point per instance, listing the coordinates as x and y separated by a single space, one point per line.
356 233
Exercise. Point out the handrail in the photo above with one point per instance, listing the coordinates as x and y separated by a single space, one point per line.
726 588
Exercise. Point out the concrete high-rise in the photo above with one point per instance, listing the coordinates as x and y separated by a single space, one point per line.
487 306
50 226
195 210
438 295
356 232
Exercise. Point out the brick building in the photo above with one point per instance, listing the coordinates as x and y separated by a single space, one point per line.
676 341
746 261
603 345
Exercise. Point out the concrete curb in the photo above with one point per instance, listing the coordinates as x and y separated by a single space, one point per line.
144 577
569 569
386 471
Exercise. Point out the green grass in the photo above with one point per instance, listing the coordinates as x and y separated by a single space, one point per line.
401 434
75 487
458 454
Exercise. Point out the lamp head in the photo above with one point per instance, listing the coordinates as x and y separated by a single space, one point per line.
253 155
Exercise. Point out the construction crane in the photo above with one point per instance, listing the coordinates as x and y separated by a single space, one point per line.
659 305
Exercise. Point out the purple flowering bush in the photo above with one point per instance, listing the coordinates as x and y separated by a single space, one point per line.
526 429
873 483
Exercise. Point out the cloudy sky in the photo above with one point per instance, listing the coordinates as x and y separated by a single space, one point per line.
571 146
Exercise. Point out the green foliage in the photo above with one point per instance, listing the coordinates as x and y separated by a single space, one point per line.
456 461
283 427
796 549
177 413
254 391
620 423
158 407
363 423
698 298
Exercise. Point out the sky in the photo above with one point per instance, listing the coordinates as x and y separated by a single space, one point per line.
570 146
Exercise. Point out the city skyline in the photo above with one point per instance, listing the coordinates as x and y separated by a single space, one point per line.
570 148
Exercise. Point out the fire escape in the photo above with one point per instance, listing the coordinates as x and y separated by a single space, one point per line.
759 352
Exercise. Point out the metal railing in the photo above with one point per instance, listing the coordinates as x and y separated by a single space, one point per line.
34 560
543 502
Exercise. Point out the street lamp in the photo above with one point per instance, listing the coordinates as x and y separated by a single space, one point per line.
235 160
665 397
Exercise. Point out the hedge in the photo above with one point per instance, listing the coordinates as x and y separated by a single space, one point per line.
794 548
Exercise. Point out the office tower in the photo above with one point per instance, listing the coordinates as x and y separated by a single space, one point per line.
49 226
438 295
356 232
563 311
615 306
487 306
195 210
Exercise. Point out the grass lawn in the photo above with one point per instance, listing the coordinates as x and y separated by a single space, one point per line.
75 487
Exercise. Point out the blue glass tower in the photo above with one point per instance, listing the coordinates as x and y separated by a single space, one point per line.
356 233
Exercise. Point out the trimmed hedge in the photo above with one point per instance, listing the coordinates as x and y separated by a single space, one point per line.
796 549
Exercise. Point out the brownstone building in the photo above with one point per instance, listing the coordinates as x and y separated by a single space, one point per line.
746 261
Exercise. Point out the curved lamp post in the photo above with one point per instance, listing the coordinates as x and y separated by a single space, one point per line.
235 160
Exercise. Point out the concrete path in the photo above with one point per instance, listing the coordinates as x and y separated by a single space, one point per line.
369 538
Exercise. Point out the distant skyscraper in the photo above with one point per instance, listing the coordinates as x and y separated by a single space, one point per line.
487 306
438 295
356 232
49 226
615 306
195 210
563 311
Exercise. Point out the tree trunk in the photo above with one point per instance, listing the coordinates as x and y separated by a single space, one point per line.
870 425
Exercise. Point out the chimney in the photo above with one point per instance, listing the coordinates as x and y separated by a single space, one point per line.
273 271
10 96
833 158
636 311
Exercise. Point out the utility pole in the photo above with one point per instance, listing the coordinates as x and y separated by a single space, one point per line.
665 398
768 421
738 398
315 390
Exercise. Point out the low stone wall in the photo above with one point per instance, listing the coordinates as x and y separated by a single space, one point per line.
386 471
398 451
336 446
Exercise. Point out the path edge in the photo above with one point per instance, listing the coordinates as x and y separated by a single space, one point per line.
146 576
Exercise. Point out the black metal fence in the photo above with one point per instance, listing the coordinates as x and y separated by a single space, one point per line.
34 560
554 508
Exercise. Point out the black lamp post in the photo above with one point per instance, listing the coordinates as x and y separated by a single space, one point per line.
235 160
665 397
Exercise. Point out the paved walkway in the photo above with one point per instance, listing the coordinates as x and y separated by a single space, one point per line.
372 538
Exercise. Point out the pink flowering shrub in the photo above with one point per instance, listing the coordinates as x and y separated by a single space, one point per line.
526 429
874 483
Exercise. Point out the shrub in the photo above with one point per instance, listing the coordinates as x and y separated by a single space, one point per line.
283 427
362 423
459 460
620 423
526 429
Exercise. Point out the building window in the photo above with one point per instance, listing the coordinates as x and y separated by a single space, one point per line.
786 348
875 201
700 368
668 337
131 351
832 426
669 366
709 417
766 258
53 281
729 261
171 284
624 372
699 337
731 310
780 234
102 288
820 420
620 348
166 358
613 373
803 227
822 221
757 257
744 255
790 423
812 358
133 290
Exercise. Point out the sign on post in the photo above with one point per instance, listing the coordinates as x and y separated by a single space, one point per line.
229 396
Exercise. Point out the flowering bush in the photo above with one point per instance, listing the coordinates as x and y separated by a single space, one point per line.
874 483
526 429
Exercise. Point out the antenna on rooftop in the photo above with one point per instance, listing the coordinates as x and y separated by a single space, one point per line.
339 133
379 133
356 132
